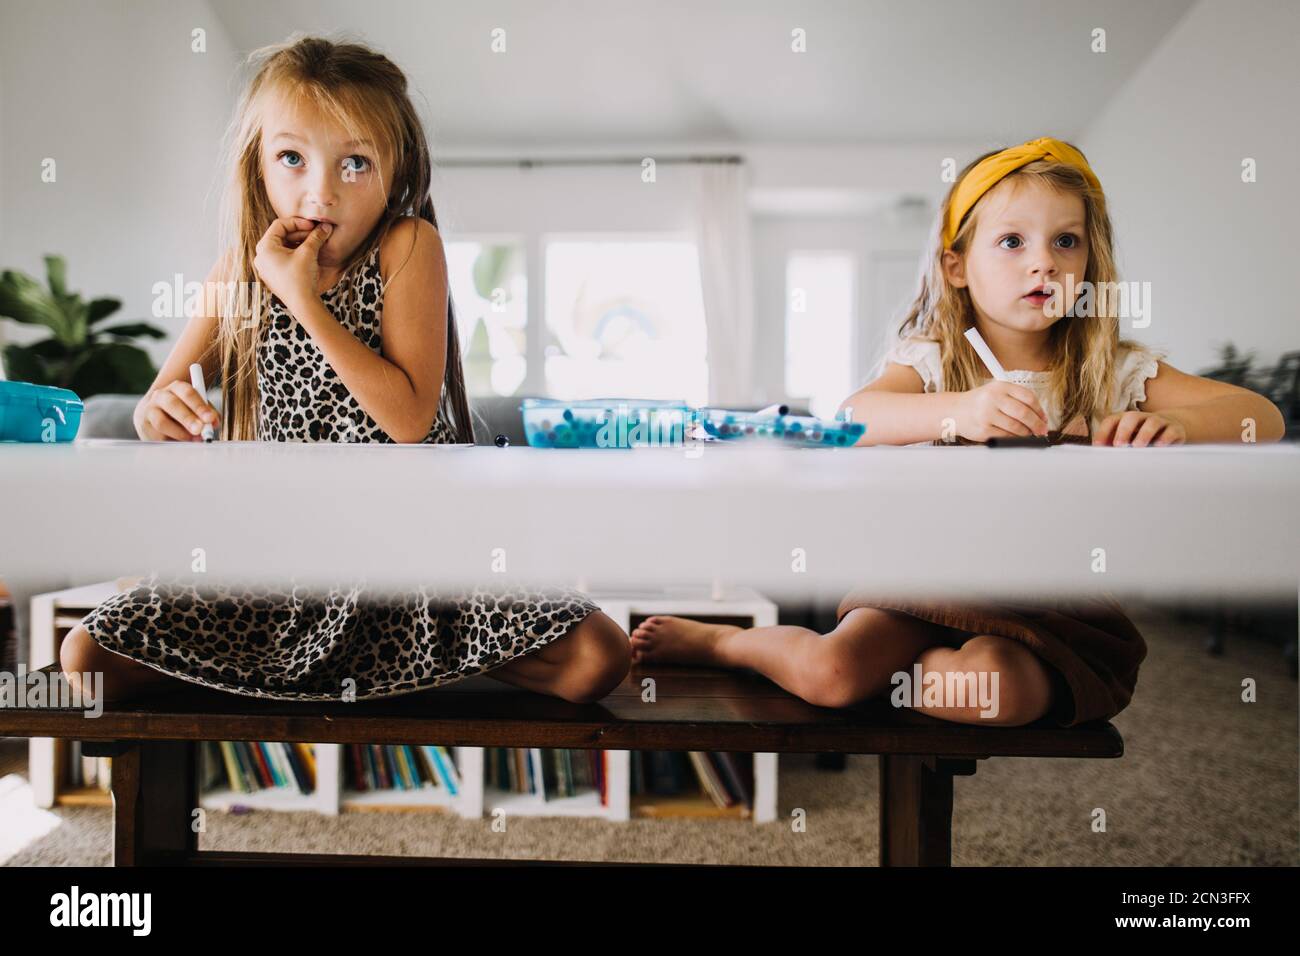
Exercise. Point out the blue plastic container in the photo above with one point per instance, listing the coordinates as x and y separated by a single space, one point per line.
605 423
38 413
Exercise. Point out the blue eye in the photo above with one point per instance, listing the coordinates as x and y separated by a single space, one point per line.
360 165
1074 240
1004 239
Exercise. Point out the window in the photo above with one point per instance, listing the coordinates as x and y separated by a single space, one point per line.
819 306
624 318
489 288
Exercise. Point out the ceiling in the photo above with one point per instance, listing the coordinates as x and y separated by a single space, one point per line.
613 72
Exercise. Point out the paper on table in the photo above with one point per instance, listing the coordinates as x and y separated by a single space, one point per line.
138 443
1242 448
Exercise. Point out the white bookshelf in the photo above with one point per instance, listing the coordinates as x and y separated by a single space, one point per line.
271 798
54 614
528 804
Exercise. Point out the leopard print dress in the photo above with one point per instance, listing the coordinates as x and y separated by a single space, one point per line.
294 643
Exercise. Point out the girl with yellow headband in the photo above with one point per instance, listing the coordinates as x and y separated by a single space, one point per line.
1022 233
1016 222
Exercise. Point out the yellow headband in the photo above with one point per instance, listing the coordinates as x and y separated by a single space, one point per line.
989 172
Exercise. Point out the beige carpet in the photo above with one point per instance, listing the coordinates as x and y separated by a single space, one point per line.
1207 780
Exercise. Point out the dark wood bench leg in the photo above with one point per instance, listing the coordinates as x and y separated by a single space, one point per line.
916 809
155 793
831 761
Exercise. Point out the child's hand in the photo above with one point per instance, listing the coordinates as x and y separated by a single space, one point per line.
290 273
175 412
999 409
1140 429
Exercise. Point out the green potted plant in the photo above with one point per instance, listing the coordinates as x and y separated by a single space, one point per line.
79 354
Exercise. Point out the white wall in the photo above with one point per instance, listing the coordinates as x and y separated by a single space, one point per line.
1219 253
133 120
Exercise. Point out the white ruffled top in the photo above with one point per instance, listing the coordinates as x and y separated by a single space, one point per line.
1132 369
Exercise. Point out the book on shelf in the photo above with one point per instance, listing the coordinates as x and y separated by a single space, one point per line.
550 773
247 766
400 767
726 780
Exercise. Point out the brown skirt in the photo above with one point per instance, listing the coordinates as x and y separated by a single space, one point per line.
1092 647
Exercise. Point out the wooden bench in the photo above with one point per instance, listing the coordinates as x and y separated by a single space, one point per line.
153 743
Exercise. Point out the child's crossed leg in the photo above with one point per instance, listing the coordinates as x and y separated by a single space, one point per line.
583 666
857 660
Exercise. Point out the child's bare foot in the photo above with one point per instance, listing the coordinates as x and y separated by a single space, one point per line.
677 640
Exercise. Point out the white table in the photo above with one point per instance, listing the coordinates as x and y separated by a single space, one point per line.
915 521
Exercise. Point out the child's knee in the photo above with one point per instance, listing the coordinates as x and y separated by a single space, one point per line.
1023 684
838 674
833 676
600 658
78 655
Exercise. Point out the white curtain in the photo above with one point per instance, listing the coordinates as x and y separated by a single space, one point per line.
726 277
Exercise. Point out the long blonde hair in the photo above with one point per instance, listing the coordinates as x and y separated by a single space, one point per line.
366 94
1082 368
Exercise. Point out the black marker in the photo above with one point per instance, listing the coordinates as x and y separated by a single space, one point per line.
1020 441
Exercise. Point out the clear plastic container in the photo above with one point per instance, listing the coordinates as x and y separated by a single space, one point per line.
789 429
605 423
38 413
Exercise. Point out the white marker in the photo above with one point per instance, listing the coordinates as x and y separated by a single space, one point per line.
777 410
196 379
986 354
990 360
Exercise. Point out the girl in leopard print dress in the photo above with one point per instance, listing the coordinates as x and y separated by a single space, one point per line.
328 208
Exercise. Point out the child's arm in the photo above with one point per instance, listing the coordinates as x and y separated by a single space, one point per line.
1205 410
898 411
171 408
400 388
